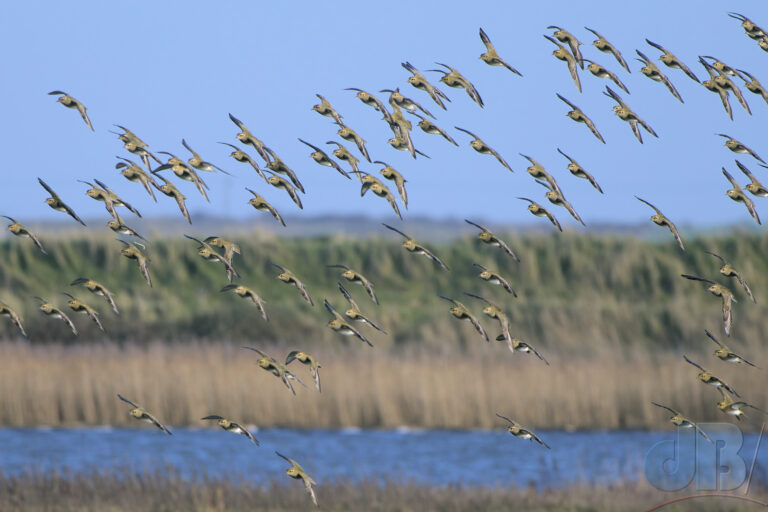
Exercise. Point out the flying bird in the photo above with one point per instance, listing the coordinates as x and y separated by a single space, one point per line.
141 414
297 472
726 354
539 211
578 171
737 194
653 72
729 270
661 220
57 204
487 237
670 60
580 117
602 44
306 359
461 312
231 426
70 102
725 294
98 289
258 202
411 245
563 54
483 148
681 421
491 57
19 229
290 278
521 432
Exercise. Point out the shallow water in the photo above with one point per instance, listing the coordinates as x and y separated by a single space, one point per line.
435 457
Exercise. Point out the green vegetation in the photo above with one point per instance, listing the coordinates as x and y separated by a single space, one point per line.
165 491
576 292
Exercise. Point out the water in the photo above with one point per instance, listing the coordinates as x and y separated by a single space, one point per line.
435 457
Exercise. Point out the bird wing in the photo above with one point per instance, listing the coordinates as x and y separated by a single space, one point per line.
49 189
81 108
697 278
694 364
194 153
552 219
665 407
36 241
675 233
432 256
157 423
479 297
145 271
574 71
709 334
591 125
246 433
505 284
182 206
486 41
696 426
537 438
304 293
349 298
262 354
744 285
722 260
475 323
574 107
121 397
369 288
649 204
308 487
505 418
468 133
499 158
397 231
331 309
727 314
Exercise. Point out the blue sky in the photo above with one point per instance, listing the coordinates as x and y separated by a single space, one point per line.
173 70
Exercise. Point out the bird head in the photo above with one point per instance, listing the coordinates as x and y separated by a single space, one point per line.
348 274
485 236
136 412
50 201
485 274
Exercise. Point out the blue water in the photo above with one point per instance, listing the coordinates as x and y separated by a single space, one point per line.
437 457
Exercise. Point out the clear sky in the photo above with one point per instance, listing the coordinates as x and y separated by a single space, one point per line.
171 70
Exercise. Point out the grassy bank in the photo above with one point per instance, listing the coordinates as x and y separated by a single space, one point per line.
125 491
576 292
73 385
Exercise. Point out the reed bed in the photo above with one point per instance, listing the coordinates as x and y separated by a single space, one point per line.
165 491
576 291
68 385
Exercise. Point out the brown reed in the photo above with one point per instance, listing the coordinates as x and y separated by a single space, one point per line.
124 490
77 385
